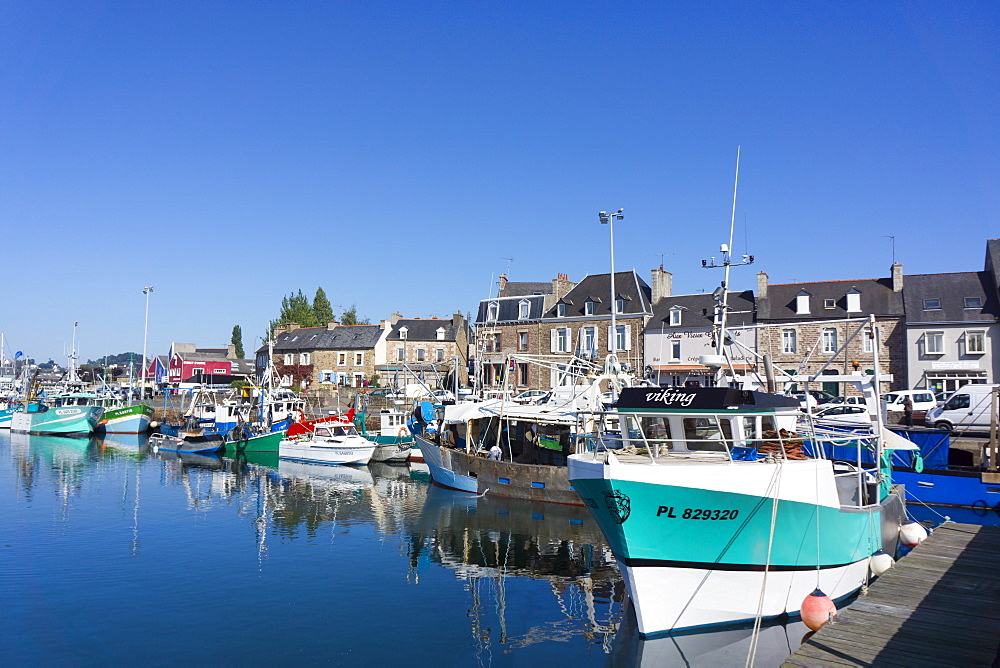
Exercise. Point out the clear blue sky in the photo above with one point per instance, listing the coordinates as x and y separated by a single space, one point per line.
395 152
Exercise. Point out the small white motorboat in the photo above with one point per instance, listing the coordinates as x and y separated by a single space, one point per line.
330 443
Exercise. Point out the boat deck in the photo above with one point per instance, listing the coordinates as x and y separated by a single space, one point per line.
940 606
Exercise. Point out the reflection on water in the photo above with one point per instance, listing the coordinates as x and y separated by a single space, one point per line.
488 580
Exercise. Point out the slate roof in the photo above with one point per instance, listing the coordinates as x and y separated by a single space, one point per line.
877 298
693 315
597 287
951 290
342 337
509 308
993 261
205 355
522 288
243 367
421 329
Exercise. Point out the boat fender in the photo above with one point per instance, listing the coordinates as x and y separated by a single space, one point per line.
880 562
817 609
912 534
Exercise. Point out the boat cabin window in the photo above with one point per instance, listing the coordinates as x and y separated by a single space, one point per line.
656 428
703 433
755 427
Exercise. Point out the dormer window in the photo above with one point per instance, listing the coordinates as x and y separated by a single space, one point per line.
561 310
854 301
588 307
440 333
493 311
802 302
403 332
675 316
829 303
620 305
523 309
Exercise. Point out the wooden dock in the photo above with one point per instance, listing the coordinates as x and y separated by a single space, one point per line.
940 606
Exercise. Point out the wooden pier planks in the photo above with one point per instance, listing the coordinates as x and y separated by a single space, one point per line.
940 606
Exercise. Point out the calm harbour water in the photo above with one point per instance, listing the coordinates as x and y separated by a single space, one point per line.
112 554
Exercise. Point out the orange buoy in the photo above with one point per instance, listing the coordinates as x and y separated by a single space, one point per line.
912 534
817 609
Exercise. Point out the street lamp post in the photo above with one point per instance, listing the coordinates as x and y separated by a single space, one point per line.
609 220
145 328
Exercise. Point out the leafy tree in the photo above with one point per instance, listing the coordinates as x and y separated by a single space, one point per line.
322 310
350 317
295 308
237 341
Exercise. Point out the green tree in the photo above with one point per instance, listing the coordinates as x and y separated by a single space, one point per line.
237 341
350 317
322 310
295 308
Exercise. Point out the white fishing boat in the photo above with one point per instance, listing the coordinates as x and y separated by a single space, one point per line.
329 443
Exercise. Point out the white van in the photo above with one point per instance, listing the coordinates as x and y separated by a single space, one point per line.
923 400
967 408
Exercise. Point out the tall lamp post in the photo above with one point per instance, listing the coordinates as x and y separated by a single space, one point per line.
146 290
609 220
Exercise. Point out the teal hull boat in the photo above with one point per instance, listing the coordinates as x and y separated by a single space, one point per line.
66 420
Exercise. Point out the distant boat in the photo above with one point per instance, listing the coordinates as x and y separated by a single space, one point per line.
190 444
395 442
337 443
122 419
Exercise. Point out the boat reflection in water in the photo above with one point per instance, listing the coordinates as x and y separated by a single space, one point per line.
135 444
66 457
485 541
726 647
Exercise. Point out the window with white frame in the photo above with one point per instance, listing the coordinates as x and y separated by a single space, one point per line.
788 344
802 302
675 316
326 376
620 305
829 303
403 331
934 343
359 359
868 342
622 340
439 354
675 351
288 359
522 341
401 354
853 300
304 358
561 310
975 342
589 342
493 311
588 307
560 338
829 340
523 309
421 354
341 359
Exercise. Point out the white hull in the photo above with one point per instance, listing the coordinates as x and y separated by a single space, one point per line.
690 598
348 450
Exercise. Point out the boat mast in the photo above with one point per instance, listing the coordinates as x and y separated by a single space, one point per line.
145 329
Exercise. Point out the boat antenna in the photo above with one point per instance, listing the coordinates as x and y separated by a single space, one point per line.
721 294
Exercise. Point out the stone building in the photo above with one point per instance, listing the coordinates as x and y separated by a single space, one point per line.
318 359
805 327
425 350
510 323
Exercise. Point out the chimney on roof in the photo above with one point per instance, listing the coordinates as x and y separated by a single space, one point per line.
761 285
457 319
897 277
332 324
503 285
231 351
662 284
290 326
395 317
561 285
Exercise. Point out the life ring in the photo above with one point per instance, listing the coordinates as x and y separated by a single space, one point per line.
403 432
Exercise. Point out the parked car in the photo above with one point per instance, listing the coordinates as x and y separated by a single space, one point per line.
813 399
532 397
967 408
843 415
923 400
386 392
851 401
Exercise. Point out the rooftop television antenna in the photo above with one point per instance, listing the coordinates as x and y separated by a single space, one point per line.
892 238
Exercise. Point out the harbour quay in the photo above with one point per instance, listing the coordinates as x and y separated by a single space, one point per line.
937 607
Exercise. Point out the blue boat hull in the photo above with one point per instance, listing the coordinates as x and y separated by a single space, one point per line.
964 489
